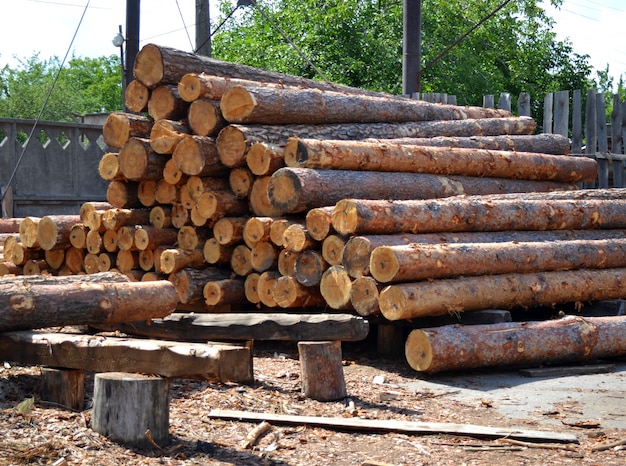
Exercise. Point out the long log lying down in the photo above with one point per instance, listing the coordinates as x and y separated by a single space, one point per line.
571 338
374 156
249 326
293 190
274 105
506 291
476 213
119 127
415 261
234 140
28 303
543 143
216 361
358 249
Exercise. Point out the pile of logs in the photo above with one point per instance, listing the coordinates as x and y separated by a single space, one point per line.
251 190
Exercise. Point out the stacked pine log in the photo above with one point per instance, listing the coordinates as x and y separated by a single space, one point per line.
243 186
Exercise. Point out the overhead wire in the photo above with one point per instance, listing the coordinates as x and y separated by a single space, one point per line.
45 103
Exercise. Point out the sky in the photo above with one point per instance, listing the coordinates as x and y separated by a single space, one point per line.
47 27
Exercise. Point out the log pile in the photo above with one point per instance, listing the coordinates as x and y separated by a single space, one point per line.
251 190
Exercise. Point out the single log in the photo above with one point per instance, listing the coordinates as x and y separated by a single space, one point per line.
55 258
138 161
166 134
165 103
287 261
332 249
358 249
507 291
571 338
205 117
477 213
35 267
265 287
364 294
296 238
234 141
166 193
257 229
259 199
27 304
136 97
116 218
21 254
108 241
10 225
250 288
119 127
90 263
309 268
388 157
74 259
543 143
146 192
263 256
335 286
293 190
190 282
106 261
126 406
213 205
197 155
123 195
241 180
180 215
65 387
28 232
91 214
149 237
265 158
288 293
109 167
319 222
126 238
240 260
321 370
197 185
266 105
53 231
229 230
190 237
221 362
161 217
173 175
175 259
277 230
419 261
225 291
250 326
126 261
216 253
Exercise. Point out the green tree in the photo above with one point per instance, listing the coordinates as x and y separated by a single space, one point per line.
359 43
84 85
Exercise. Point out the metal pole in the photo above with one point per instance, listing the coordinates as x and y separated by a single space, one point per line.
132 37
412 53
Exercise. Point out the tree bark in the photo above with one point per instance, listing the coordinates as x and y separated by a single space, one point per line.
387 157
53 231
205 117
477 213
234 141
293 190
165 103
507 291
197 155
321 370
267 105
572 338
119 127
190 282
173 259
116 218
29 304
149 237
123 195
418 261
166 134
225 291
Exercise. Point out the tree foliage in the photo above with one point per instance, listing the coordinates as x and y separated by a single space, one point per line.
359 43
84 85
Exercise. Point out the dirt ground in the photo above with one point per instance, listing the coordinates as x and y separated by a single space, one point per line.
377 389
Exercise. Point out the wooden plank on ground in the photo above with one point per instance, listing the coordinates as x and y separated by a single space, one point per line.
250 326
384 425
222 362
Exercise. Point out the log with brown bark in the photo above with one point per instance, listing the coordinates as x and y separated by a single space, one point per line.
175 259
419 261
29 303
259 199
10 225
264 158
293 190
165 103
139 161
205 117
149 237
225 291
570 339
123 194
119 127
387 157
166 134
190 282
289 293
197 155
507 291
116 218
267 105
229 230
216 253
53 231
544 143
479 213
234 141
146 192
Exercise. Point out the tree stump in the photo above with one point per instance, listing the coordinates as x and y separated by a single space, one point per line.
125 406
65 387
321 370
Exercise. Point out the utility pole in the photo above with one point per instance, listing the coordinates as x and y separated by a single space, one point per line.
412 47
203 28
132 38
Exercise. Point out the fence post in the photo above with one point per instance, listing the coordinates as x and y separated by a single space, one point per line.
561 113
616 143
548 113
505 101
7 201
523 104
488 101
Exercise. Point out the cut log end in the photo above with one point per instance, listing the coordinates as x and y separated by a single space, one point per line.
392 302
418 350
237 104
384 264
344 217
149 65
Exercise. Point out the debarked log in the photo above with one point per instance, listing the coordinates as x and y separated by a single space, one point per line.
391 157
506 291
293 190
478 213
68 301
420 261
572 338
